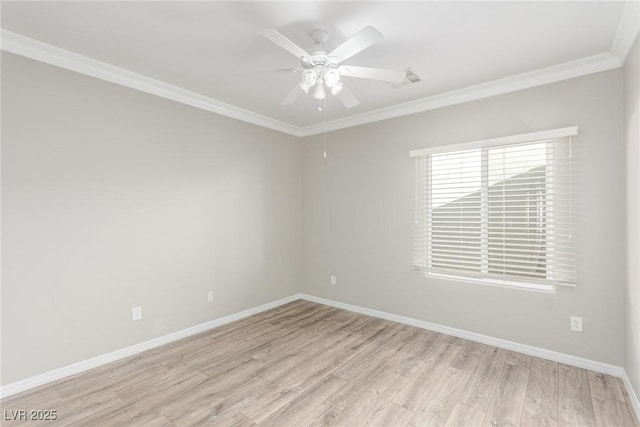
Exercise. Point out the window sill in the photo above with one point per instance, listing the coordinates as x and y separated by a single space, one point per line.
545 289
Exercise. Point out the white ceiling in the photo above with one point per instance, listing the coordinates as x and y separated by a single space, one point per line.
214 49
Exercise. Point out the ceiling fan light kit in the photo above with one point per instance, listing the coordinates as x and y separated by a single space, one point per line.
308 80
321 70
316 78
318 92
331 77
336 89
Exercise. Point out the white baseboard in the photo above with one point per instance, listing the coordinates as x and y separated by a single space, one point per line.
633 396
94 362
555 356
56 374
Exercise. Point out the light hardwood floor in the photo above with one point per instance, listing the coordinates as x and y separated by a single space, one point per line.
308 364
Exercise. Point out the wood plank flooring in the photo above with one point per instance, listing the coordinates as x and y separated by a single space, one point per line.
306 364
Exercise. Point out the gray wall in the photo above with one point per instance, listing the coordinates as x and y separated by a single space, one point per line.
632 126
357 218
113 198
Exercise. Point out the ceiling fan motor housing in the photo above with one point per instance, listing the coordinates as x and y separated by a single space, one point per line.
319 36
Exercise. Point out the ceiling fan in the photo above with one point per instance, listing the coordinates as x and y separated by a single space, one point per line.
323 71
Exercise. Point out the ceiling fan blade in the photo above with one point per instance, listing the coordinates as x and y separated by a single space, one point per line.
393 76
366 37
347 98
284 43
292 96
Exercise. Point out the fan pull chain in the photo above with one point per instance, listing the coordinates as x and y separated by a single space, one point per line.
324 129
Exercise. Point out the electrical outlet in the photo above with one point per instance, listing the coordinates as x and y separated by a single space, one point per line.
576 324
210 296
136 313
333 280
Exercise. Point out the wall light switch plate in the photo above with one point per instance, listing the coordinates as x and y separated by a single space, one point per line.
136 313
333 280
210 296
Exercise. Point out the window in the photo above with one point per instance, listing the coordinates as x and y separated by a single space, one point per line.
497 211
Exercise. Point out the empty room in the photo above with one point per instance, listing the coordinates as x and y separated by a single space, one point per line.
308 213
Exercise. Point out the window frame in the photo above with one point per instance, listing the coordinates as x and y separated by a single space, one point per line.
483 277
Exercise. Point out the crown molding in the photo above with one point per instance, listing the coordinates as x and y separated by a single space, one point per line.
556 73
34 49
627 31
625 36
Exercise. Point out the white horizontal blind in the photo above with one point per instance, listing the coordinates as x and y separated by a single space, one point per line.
499 211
